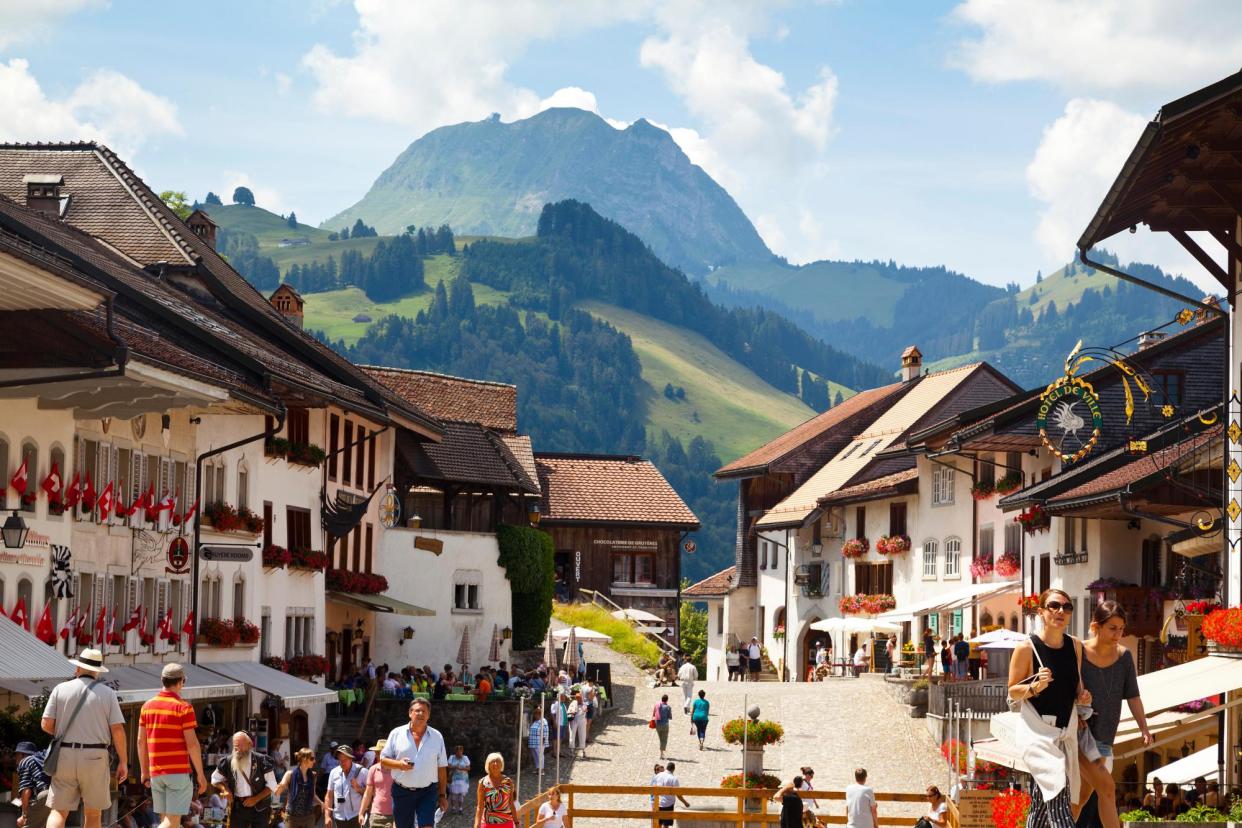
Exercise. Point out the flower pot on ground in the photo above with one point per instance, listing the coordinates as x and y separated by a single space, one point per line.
855 547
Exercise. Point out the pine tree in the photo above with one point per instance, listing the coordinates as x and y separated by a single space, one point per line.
293 220
213 200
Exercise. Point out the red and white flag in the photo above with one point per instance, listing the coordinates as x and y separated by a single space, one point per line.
114 637
190 513
188 627
106 503
88 495
166 504
81 629
53 485
21 477
71 625
135 619
19 616
148 499
101 627
73 494
44 629
166 626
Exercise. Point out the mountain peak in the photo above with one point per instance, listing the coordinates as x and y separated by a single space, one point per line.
492 178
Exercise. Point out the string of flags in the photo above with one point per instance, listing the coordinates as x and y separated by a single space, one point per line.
104 504
103 630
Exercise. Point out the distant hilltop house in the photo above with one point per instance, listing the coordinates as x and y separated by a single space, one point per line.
300 241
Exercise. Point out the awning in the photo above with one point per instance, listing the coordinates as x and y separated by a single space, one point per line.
1197 544
200 683
950 600
379 603
291 690
1187 682
29 664
1188 768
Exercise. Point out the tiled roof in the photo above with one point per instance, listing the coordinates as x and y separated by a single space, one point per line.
519 445
607 489
880 487
758 460
111 202
712 585
467 453
490 404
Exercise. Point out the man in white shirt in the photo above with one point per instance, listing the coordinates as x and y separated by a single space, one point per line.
246 780
668 779
346 784
416 756
754 656
860 808
687 674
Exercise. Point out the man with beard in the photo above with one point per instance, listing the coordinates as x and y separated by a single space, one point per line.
246 780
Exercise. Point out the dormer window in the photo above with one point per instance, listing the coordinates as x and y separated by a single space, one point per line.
43 193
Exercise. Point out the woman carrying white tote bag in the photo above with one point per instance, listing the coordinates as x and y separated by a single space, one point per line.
1045 683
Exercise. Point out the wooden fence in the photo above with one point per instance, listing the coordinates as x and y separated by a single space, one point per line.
764 811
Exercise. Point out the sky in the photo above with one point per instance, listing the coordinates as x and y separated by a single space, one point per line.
980 135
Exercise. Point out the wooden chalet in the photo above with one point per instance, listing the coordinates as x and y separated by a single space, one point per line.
618 528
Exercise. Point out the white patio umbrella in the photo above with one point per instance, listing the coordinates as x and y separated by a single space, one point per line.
570 662
549 651
1000 636
829 625
641 616
575 634
463 650
493 652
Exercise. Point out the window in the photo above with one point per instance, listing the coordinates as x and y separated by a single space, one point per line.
369 549
952 558
874 443
265 633
359 456
719 618
347 472
853 447
774 562
987 470
239 598
371 463
5 476
644 569
763 555
1013 538
897 518
466 590
243 486
357 533
1153 551
334 443
860 522
298 425
873 579
817 538
1075 536
930 550
1013 463
297 528
25 593
942 486
987 542
633 568
1170 385
1045 573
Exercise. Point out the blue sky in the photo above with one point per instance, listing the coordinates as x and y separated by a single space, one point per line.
979 135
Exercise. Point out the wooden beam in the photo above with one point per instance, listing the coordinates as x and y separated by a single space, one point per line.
1209 264
1226 195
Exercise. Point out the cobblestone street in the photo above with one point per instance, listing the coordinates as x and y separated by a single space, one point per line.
832 726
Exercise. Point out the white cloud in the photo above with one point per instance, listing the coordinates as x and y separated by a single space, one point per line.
1101 45
24 19
107 106
283 83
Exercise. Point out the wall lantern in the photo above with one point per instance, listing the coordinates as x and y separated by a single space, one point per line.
15 531
507 633
406 635
415 522
817 549
532 513
166 429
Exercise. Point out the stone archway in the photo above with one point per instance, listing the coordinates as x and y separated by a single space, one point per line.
806 647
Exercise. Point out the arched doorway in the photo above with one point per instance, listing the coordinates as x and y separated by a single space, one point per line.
299 731
810 640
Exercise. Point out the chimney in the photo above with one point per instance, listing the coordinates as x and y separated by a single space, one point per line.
43 193
203 227
911 363
1148 338
286 300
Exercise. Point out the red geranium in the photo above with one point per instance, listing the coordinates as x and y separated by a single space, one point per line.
275 557
359 583
308 665
1201 607
308 559
855 548
866 604
893 544
1224 626
1009 809
1008 565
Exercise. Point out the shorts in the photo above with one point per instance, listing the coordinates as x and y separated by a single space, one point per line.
380 821
755 665
82 776
171 793
667 808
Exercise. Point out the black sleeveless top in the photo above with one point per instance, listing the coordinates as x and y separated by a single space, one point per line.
791 810
1058 698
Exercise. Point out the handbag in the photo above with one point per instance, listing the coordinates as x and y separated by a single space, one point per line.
53 749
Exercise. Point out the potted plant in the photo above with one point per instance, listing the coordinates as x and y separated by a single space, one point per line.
1010 808
1034 520
866 604
308 559
983 490
276 447
247 633
249 521
308 665
359 583
981 567
215 632
1009 483
305 454
893 544
1008 565
1223 630
761 781
276 663
855 547
276 557
222 516
1029 603
779 632
758 733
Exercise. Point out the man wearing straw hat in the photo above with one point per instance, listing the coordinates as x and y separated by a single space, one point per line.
85 715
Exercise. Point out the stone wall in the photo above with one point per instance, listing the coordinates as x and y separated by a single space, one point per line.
483 727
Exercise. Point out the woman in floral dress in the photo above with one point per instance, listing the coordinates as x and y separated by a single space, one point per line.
497 800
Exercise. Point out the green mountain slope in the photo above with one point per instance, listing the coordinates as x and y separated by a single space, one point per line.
269 228
493 178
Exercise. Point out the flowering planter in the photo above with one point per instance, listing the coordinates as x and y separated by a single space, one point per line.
981 567
222 517
1009 483
359 583
1034 520
1222 629
1007 565
983 491
866 604
855 548
893 545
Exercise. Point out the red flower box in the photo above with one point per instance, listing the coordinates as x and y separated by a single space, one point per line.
1008 565
855 548
308 559
276 557
1224 627
866 604
308 665
359 583
1009 809
893 545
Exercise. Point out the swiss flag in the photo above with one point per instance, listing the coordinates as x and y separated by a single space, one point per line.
74 493
71 625
53 485
188 627
19 616
44 629
88 495
106 503
114 637
135 619
21 477
166 504
190 513
166 626
101 626
148 499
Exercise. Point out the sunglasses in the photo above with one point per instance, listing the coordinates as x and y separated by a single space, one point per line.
1057 606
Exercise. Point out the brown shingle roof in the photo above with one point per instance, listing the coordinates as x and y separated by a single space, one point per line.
886 486
490 404
758 460
608 489
1140 468
468 453
712 585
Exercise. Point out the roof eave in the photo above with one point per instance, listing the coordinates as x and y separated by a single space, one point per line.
632 524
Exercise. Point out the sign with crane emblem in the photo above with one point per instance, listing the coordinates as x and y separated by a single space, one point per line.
1069 418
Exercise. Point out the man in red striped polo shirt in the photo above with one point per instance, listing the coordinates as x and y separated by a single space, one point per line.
167 747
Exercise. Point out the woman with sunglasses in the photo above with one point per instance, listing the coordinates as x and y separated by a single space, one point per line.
1108 674
1052 689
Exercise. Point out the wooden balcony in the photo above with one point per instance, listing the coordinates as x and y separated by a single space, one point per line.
1144 607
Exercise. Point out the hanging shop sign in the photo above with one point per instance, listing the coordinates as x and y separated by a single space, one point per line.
178 556
389 509
689 547
62 581
1069 418
234 554
433 545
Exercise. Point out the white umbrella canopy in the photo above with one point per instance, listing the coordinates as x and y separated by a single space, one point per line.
570 662
549 651
829 625
1000 636
575 634
641 616
493 652
463 650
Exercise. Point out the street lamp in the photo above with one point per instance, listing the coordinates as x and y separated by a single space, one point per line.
532 513
15 531
507 633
